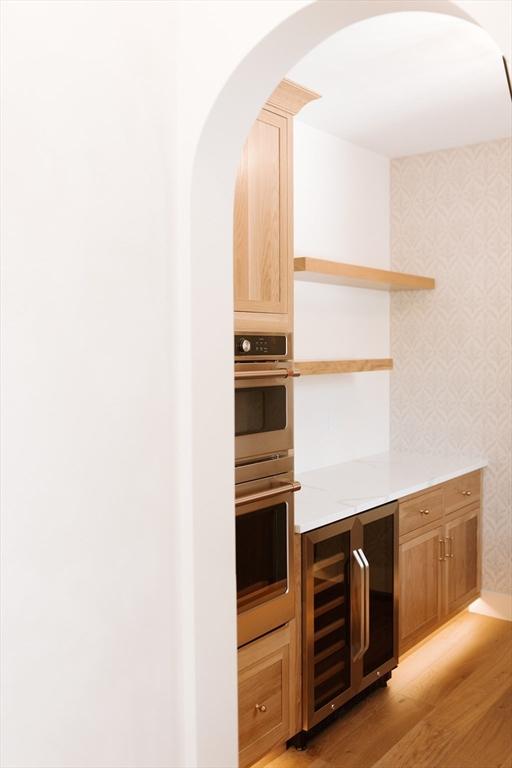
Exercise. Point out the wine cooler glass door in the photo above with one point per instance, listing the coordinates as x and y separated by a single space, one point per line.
380 547
327 662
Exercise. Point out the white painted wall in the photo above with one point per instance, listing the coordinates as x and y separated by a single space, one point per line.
342 214
90 637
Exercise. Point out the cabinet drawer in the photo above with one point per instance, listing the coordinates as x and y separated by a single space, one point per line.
263 695
461 492
421 510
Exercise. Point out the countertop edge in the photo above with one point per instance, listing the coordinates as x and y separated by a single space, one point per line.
348 509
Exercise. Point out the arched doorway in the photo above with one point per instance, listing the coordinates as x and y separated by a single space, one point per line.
210 540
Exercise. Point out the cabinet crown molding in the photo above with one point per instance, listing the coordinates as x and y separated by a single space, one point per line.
290 97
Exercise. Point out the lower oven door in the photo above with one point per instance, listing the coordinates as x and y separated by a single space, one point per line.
264 555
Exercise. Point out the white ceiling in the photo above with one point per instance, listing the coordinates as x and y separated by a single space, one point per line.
407 83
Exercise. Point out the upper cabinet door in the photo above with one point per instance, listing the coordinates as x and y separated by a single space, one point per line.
262 220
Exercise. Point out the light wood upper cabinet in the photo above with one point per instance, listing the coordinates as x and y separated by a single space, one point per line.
420 585
261 241
263 216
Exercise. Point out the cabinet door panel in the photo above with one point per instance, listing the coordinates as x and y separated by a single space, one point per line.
420 586
263 695
261 219
462 581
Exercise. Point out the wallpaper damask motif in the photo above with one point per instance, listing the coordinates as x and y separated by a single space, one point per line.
451 218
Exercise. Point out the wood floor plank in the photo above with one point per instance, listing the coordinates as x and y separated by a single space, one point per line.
450 668
448 705
295 759
365 744
425 745
444 643
487 741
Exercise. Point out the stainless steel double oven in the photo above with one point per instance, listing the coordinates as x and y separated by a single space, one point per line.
265 485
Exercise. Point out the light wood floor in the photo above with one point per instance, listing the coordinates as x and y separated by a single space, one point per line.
448 705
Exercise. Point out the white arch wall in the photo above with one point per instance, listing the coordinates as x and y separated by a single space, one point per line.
118 618
88 583
210 244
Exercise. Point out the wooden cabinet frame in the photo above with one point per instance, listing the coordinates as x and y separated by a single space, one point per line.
267 656
451 566
460 563
262 253
415 599
263 279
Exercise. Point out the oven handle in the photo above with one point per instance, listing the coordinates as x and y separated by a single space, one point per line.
278 489
276 373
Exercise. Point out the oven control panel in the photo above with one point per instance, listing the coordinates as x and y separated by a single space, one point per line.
261 346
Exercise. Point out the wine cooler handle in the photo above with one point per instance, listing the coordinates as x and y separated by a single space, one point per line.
360 565
366 564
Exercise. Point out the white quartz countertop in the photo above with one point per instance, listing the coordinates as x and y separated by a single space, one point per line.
342 490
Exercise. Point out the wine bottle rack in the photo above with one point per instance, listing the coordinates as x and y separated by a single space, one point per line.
329 620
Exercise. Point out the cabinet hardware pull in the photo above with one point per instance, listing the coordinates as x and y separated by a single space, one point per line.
450 553
285 488
261 708
424 511
466 493
442 549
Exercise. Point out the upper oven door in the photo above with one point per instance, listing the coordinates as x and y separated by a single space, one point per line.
263 410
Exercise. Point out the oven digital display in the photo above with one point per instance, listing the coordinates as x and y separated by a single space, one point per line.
253 346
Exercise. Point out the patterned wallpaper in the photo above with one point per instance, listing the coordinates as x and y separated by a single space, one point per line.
451 218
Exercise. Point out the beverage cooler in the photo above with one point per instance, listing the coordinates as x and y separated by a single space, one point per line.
350 609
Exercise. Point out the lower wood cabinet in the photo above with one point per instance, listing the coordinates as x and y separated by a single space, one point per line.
420 585
266 693
439 556
462 559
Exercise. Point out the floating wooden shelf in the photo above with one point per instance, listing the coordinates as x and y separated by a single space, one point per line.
314 367
334 272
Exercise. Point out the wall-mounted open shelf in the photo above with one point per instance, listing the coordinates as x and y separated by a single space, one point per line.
316 367
334 272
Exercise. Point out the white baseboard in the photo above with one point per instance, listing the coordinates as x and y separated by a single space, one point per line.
495 604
